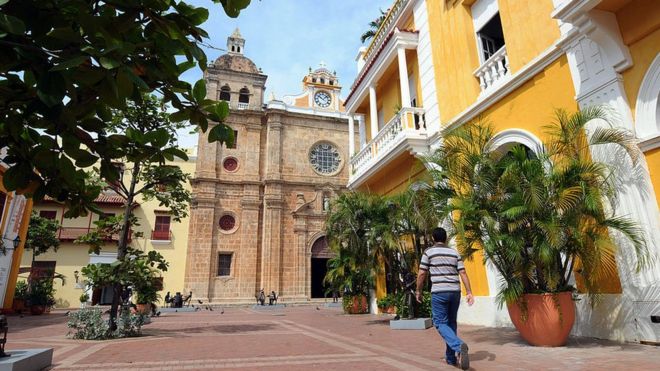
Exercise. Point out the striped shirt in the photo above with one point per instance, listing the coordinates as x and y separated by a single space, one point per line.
443 263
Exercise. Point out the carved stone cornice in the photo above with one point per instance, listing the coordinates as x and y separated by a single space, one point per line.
250 203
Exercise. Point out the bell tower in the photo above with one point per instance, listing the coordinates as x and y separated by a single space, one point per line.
323 89
236 42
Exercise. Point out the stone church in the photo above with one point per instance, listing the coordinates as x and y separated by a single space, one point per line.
259 206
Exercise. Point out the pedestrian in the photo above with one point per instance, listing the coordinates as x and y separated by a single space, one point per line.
445 266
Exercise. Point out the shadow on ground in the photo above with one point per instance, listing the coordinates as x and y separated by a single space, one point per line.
217 329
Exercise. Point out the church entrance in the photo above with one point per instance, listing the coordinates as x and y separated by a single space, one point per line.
320 256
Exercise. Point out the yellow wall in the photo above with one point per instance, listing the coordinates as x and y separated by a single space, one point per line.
388 93
532 106
528 29
454 51
642 52
653 162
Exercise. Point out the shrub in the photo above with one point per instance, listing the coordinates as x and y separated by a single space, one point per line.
388 301
90 324
423 309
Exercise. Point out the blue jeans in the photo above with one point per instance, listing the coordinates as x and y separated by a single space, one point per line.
445 308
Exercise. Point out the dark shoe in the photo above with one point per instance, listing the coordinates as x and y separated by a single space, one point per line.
464 358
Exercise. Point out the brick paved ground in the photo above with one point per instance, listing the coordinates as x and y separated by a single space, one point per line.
306 338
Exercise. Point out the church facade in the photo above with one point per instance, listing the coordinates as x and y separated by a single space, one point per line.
258 210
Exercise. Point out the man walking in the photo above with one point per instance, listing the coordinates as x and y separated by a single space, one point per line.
445 265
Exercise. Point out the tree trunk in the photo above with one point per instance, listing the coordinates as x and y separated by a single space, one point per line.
123 243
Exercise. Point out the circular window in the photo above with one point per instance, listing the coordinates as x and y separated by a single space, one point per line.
227 223
230 164
325 158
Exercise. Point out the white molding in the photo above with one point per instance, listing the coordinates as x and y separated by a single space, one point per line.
427 78
508 85
647 122
160 242
482 12
400 39
649 143
516 136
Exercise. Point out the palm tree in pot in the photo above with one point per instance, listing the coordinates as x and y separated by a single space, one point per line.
537 216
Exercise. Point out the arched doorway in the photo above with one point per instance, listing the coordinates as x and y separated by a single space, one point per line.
320 256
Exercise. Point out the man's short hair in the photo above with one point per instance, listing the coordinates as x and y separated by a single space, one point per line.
439 235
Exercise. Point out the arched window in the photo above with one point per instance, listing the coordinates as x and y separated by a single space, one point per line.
244 96
225 93
239 49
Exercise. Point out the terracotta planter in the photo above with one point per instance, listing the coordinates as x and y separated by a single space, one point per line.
358 305
19 305
388 310
37 309
547 325
144 308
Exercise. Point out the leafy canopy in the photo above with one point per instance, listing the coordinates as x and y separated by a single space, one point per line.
42 235
66 64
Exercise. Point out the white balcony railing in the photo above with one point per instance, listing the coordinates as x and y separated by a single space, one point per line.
407 121
384 29
493 70
242 106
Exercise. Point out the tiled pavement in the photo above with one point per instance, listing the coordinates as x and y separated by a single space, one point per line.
307 338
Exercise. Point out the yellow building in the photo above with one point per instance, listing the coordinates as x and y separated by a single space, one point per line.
437 64
160 232
15 211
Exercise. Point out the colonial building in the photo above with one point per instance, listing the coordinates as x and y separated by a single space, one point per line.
259 205
436 64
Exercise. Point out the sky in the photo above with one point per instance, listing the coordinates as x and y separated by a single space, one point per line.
286 37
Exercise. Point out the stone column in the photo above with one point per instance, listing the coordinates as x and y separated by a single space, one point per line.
200 258
362 131
351 136
248 254
272 243
403 77
373 111
300 231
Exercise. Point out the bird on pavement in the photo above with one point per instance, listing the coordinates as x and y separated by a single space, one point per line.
158 314
222 310
317 308
67 312
211 309
199 301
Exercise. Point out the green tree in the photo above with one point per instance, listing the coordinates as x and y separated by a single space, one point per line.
66 64
42 235
150 140
373 27
537 215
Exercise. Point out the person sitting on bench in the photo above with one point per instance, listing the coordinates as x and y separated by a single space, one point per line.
272 298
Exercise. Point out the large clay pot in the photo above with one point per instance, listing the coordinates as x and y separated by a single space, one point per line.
546 325
358 304
143 308
37 309
19 305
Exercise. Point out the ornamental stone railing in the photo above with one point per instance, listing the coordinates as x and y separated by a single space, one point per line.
384 30
242 106
493 70
407 121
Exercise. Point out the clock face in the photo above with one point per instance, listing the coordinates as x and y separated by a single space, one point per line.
322 99
325 158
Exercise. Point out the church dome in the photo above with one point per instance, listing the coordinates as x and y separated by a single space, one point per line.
236 62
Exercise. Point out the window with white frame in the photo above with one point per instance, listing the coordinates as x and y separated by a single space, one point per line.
488 28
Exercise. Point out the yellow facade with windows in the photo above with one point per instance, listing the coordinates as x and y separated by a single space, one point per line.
70 258
513 63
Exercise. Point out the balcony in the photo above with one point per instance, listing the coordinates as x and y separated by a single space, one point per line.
404 132
242 106
73 233
494 70
384 29
161 236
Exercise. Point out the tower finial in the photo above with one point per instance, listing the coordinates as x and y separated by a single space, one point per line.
236 42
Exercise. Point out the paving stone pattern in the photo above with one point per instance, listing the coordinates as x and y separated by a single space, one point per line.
309 338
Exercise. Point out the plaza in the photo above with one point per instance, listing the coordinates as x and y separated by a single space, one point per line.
306 338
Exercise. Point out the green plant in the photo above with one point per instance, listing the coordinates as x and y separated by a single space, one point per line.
21 291
89 324
84 298
41 292
352 303
423 309
42 235
387 301
537 215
